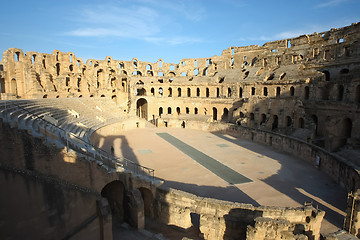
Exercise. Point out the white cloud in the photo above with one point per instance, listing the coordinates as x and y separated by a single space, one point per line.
129 21
331 3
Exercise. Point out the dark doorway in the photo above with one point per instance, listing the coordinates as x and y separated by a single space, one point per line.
141 108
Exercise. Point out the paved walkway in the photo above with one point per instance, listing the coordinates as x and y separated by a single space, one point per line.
277 179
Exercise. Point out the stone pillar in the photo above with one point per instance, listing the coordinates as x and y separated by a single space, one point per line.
352 219
135 205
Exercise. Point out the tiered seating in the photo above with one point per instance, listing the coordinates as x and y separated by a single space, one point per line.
70 122
78 116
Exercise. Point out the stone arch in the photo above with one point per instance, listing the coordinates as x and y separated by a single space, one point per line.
141 92
160 111
315 121
142 108
340 93
288 121
189 92
263 119
357 94
292 91
306 92
114 192
14 87
240 92
225 115
148 200
275 122
347 128
214 114
301 123
327 75
57 69
178 110
169 110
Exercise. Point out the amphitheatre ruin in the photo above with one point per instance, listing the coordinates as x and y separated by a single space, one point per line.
261 142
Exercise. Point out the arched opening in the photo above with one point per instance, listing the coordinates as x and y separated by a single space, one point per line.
275 122
253 91
288 121
327 75
278 91
263 119
265 91
187 110
160 111
141 108
188 92
315 121
301 123
306 93
178 110
217 92
45 96
214 114
240 92
225 115
252 117
170 92
345 133
198 92
160 92
183 124
141 92
347 127
148 200
14 87
208 92
357 95
229 92
340 93
152 91
179 92
196 111
292 91
2 85
102 95
114 192
58 69
169 110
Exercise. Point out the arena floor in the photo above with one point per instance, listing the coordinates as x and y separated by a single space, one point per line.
227 168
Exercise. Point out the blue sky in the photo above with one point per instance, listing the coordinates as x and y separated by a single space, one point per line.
167 29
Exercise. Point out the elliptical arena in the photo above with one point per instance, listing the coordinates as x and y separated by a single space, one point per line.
261 142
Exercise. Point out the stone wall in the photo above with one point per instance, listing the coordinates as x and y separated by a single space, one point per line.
48 192
218 219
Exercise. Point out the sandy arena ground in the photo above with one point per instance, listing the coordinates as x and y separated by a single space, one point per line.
278 179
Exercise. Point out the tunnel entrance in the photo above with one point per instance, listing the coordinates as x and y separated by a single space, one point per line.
141 108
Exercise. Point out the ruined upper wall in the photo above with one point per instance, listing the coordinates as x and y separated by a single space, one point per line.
325 46
25 75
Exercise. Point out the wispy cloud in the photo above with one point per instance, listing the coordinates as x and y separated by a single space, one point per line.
331 3
129 21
